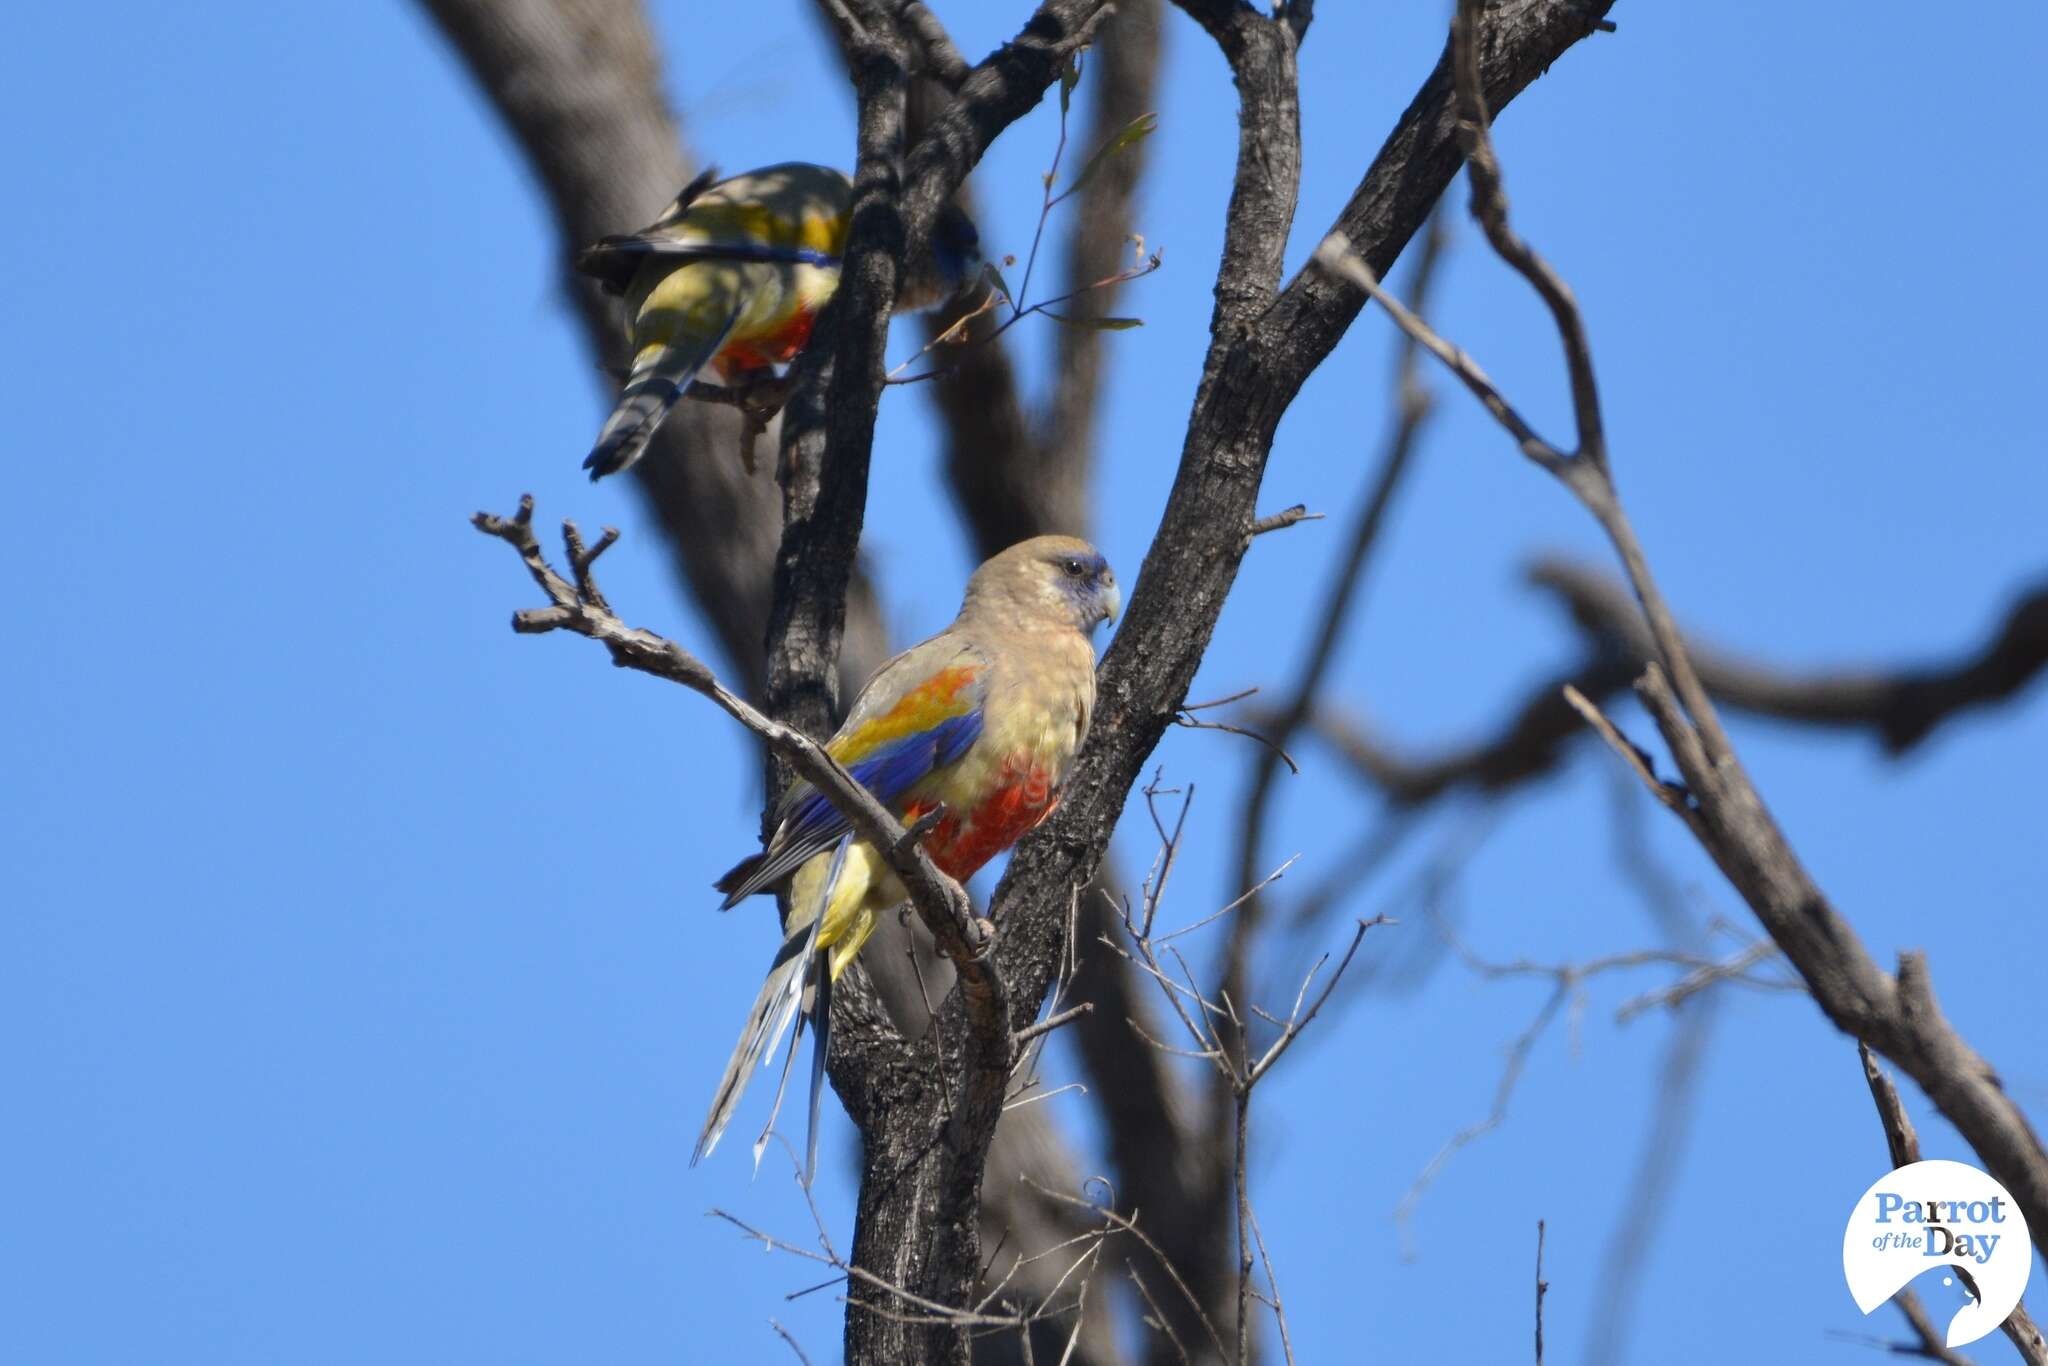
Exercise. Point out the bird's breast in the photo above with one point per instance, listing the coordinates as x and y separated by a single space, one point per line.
1009 781
1022 794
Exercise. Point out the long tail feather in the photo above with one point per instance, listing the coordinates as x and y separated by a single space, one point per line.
790 961
796 1039
775 1006
646 400
821 1043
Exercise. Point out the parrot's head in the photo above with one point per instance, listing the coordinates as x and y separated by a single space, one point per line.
1047 581
951 263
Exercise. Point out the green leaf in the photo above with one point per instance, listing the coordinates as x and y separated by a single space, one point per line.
1070 76
1096 324
1132 133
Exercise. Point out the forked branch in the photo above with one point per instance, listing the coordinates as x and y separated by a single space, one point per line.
577 604
1897 1016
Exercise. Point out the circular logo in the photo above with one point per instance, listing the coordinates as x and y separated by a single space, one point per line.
1947 1218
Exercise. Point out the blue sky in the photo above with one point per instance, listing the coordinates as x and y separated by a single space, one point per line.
361 996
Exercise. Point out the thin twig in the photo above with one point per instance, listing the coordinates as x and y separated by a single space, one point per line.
1894 1013
1273 1288
1129 1224
1735 969
1157 1318
1050 1023
1299 1021
785 1335
1903 1144
1281 520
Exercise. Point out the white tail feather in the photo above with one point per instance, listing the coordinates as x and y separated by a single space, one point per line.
774 1007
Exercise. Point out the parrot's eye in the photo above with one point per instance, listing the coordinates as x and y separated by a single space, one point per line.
1074 568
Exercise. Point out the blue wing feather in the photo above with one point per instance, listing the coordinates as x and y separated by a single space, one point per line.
814 825
609 256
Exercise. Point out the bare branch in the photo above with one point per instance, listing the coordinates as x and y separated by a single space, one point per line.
1897 1016
1051 1022
579 87
1129 1224
794 1346
1412 406
1298 1019
1503 1092
581 608
1567 985
1735 969
941 60
1286 517
1902 705
1674 796
1904 1145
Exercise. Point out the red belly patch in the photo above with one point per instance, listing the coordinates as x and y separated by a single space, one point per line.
961 845
771 348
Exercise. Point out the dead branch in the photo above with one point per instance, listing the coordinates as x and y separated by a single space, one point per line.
1015 476
1026 490
1568 981
1904 1146
1266 337
1210 1026
1675 1091
579 605
578 85
932 1113
1334 617
1903 705
1897 1016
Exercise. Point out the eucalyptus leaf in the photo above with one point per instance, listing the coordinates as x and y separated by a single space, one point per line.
1096 324
1130 135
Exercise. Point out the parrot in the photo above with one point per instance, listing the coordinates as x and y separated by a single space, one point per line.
984 718
730 278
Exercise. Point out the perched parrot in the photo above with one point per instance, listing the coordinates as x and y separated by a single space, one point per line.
731 277
984 717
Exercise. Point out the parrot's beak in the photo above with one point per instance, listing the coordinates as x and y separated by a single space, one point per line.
1112 602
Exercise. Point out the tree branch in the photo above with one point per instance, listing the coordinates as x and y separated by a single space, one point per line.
1897 1016
578 85
926 1120
1904 1145
1412 404
1903 705
1264 342
577 604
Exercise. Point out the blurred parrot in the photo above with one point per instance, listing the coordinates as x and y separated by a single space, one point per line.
731 278
984 718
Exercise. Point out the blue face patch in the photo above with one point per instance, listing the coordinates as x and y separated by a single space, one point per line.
1085 589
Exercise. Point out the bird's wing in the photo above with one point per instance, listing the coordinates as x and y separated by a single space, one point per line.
792 214
920 712
613 260
689 195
